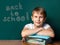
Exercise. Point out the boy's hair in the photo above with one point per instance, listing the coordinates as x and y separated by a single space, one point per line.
40 10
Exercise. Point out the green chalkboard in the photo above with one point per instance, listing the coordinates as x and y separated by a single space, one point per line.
14 14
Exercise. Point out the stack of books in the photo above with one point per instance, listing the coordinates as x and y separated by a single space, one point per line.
37 39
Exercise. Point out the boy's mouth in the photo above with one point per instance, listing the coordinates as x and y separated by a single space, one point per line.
38 22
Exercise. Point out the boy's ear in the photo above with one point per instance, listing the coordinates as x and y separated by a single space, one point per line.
31 18
44 19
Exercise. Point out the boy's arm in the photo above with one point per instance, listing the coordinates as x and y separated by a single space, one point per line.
47 32
26 31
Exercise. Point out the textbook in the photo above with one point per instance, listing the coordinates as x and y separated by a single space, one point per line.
39 36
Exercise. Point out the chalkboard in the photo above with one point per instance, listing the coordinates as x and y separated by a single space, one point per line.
14 14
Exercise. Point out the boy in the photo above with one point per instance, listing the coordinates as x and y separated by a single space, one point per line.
38 27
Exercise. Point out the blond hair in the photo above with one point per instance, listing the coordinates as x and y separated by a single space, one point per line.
40 10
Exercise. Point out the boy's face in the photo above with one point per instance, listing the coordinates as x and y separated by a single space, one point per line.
38 19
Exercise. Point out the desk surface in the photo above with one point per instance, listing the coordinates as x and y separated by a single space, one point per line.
18 42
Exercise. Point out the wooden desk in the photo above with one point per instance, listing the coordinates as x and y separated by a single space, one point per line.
19 42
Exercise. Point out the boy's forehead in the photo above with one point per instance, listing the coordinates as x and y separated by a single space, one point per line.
37 13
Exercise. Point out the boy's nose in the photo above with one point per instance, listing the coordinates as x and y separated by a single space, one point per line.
38 19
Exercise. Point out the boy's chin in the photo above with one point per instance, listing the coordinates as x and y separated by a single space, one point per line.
38 25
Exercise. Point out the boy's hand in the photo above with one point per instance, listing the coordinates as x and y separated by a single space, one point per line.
40 29
23 40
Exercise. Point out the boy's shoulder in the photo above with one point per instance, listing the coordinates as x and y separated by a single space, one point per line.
29 25
46 25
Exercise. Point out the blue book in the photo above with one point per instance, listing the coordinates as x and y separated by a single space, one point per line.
39 36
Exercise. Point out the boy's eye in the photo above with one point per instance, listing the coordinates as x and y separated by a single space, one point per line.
35 16
41 16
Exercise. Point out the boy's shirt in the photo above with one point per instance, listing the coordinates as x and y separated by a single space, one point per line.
35 37
31 26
